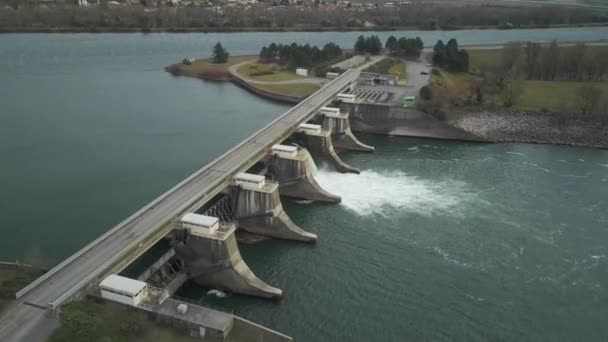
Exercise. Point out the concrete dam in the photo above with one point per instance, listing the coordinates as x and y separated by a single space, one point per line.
240 190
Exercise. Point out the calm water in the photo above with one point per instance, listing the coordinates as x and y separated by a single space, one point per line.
434 240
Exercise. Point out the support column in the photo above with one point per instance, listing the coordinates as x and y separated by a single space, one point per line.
259 210
341 134
294 169
214 260
320 144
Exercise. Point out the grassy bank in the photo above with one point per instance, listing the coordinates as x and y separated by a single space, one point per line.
13 279
87 320
533 95
266 72
206 69
296 89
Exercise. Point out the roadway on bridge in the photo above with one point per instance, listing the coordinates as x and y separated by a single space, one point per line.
91 262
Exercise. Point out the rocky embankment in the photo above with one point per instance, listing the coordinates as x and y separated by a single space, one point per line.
534 128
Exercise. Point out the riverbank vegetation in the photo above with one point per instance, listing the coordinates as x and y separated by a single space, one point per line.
87 320
206 69
570 81
265 17
14 277
368 45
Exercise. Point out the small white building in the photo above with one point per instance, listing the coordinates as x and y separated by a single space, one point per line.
285 151
302 72
123 290
331 111
309 128
201 224
349 98
249 180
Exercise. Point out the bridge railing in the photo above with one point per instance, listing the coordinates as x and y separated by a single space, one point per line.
107 265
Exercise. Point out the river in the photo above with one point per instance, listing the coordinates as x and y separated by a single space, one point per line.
434 240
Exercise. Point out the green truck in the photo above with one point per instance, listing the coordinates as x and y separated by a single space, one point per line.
409 101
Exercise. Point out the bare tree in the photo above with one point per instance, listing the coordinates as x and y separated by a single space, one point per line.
588 98
532 53
511 91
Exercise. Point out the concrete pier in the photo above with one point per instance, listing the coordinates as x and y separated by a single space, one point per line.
341 133
260 211
214 260
295 174
320 144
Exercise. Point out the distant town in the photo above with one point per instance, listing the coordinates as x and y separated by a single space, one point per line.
283 15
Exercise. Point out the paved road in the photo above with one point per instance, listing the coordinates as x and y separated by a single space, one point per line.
74 274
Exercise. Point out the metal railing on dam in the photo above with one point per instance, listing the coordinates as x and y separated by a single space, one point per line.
116 248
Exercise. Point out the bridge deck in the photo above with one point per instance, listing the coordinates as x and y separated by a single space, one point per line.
135 234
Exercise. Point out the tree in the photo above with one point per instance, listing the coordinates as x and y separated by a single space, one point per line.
511 91
360 46
588 98
220 55
439 53
532 52
391 44
426 93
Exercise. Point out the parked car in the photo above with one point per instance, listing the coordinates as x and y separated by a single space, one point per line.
424 72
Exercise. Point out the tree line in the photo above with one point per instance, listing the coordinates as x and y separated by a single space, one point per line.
371 45
295 55
408 47
450 57
554 63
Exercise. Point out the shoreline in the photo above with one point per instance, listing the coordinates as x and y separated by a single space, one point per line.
58 30
518 126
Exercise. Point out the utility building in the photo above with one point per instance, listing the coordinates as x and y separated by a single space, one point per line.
123 290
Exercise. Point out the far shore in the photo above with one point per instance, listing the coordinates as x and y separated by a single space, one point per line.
276 29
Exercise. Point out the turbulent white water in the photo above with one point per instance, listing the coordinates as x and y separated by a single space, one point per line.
374 192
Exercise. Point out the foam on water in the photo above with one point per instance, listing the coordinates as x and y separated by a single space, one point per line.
373 192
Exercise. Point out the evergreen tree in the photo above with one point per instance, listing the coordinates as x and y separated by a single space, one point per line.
438 53
392 45
419 44
220 55
360 45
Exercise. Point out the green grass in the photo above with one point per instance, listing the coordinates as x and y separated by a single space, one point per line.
298 89
391 66
12 280
552 96
488 59
398 70
89 321
275 74
202 67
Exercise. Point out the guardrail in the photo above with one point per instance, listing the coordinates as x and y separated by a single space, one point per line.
350 74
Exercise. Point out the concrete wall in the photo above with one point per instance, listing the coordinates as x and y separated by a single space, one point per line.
382 119
265 94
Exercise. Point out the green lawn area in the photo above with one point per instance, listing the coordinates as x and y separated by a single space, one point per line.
392 66
398 70
87 320
206 66
267 72
552 96
298 89
488 59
